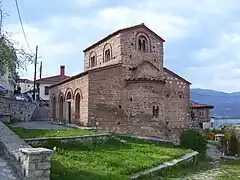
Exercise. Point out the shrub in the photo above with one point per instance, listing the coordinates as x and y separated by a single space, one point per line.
233 145
194 140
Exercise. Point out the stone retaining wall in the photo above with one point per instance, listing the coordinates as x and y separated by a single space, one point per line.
20 110
29 163
186 158
84 138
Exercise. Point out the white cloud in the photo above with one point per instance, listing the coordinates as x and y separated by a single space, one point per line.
61 38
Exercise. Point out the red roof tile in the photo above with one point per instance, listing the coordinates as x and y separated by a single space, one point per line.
198 105
52 79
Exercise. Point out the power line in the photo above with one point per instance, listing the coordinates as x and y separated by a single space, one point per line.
20 19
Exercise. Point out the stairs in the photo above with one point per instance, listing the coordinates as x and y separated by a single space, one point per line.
41 114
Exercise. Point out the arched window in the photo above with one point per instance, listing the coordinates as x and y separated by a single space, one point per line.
107 55
107 52
142 42
93 59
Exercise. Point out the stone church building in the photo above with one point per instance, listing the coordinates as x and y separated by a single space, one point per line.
125 88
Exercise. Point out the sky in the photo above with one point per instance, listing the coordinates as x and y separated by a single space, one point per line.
202 37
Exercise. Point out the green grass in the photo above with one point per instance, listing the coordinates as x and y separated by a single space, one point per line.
36 133
231 170
114 159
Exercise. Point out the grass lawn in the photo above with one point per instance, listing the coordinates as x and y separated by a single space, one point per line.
115 159
231 170
36 133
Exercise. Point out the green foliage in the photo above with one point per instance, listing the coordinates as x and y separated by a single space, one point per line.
114 159
37 133
234 145
194 140
12 58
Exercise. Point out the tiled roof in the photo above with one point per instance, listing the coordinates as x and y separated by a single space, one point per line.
52 79
175 75
198 105
24 81
120 31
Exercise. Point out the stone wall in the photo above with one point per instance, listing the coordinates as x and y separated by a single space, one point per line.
29 163
84 138
20 110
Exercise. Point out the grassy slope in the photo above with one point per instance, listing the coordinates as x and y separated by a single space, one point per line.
115 159
36 133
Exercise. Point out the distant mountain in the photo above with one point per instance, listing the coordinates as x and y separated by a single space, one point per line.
225 104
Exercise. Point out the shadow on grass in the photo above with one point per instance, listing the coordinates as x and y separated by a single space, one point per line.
60 172
110 144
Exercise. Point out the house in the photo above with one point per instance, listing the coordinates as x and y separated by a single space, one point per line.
44 83
202 114
125 88
7 81
26 85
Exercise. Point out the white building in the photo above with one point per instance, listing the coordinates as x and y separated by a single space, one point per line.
25 85
44 83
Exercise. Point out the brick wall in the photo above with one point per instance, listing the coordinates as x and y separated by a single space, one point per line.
115 54
78 85
20 110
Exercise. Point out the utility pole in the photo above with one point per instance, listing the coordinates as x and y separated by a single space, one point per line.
40 70
35 74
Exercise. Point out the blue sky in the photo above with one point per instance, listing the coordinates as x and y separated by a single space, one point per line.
202 37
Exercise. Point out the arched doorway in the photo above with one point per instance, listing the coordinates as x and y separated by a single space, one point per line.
61 101
54 107
77 106
69 112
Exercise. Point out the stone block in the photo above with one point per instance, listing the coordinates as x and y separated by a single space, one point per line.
44 165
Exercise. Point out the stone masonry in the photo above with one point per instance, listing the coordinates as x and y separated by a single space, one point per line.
125 88
20 110
28 163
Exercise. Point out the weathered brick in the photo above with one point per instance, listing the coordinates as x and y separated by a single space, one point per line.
111 103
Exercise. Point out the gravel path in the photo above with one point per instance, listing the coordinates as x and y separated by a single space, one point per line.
215 154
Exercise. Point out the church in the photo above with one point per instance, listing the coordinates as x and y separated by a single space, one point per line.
125 88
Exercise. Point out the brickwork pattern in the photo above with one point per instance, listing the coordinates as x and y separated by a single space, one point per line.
122 93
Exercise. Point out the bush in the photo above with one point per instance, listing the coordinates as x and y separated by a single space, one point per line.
233 145
194 140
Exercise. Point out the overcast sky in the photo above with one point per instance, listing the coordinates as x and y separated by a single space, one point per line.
202 37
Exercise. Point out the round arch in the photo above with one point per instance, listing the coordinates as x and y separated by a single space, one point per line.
78 91
146 37
106 47
69 90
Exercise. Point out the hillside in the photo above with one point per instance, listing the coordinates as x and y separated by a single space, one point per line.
225 104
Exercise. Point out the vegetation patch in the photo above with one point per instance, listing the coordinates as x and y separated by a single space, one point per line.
116 158
37 133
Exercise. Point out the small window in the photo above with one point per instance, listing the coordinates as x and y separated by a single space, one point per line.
93 61
201 113
130 56
119 123
120 107
155 111
46 90
107 55
131 99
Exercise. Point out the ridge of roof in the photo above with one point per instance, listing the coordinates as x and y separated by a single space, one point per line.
119 31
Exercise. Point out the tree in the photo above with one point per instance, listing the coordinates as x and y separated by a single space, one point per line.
12 57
